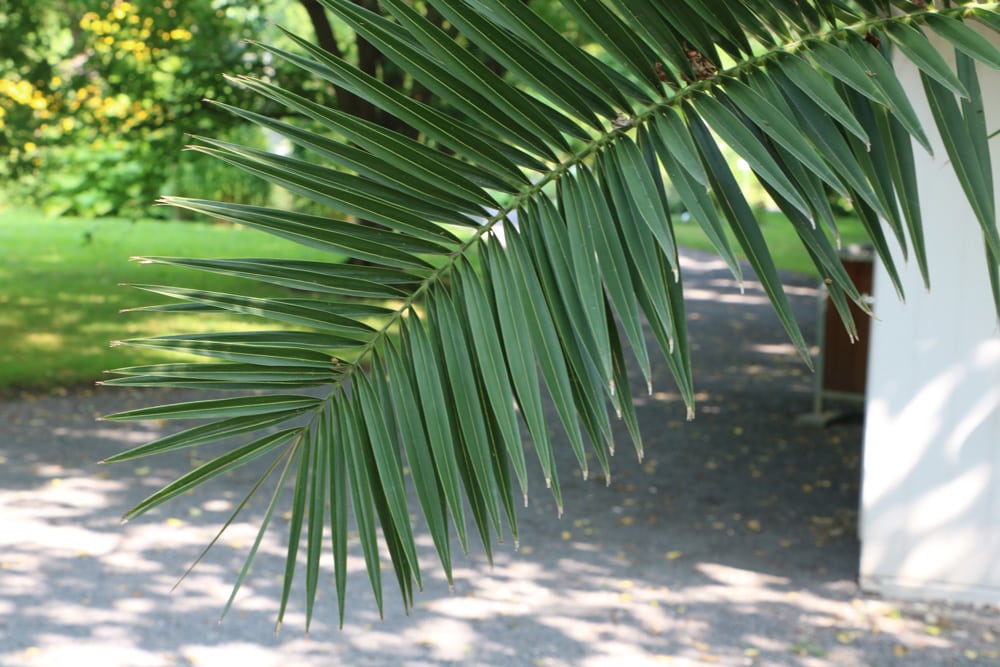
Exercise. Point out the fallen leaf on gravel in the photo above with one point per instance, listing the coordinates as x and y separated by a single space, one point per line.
808 648
899 650
673 555
970 654
932 630
846 637
754 525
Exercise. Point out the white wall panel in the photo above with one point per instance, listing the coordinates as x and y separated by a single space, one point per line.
930 507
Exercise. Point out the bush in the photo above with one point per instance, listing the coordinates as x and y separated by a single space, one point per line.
108 176
118 177
199 175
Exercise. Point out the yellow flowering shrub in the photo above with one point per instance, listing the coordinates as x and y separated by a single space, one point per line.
112 111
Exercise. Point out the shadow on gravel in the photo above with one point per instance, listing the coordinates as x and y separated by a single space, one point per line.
733 541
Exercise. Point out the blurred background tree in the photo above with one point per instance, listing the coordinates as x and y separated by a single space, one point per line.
97 98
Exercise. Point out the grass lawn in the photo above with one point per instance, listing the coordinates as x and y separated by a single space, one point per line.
784 244
60 292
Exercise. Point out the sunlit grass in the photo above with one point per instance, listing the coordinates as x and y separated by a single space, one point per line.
61 293
786 248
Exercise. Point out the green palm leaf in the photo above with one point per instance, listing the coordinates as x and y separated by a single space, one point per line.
507 256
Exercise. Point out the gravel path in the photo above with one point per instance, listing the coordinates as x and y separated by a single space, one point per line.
732 542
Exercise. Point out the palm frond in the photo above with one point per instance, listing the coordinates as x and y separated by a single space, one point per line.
521 241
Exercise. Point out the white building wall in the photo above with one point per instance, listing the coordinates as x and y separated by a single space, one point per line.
930 506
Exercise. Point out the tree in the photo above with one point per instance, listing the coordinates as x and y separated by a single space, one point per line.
97 100
421 355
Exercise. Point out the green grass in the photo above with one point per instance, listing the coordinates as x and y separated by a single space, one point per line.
60 292
784 244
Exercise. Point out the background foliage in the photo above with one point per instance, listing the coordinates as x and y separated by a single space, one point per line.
97 99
